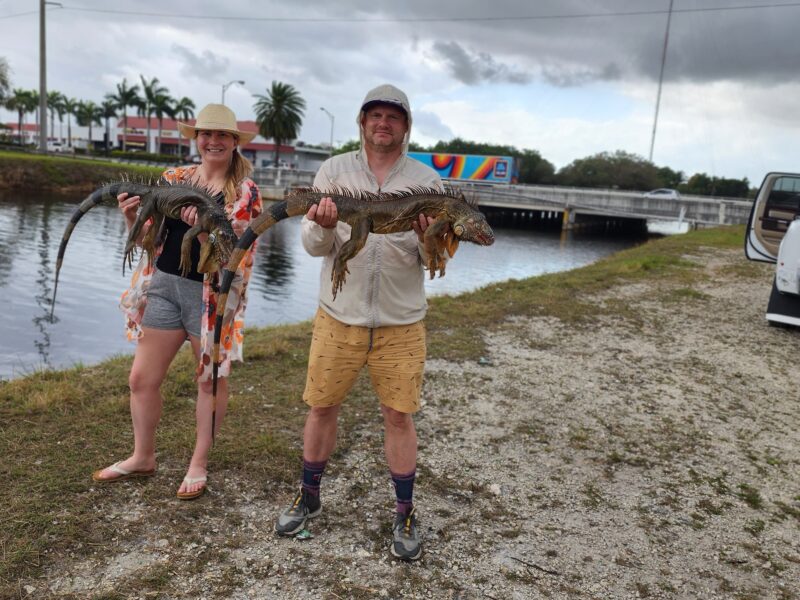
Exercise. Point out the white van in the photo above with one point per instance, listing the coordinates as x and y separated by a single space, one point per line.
773 236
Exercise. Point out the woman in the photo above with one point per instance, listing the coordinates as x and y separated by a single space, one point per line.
163 308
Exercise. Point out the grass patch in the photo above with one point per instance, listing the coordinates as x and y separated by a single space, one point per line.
20 170
751 496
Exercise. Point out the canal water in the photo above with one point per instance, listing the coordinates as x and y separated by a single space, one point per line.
88 326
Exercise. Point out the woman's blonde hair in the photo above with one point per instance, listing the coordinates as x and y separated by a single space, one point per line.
239 168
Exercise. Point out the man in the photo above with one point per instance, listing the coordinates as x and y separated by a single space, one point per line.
375 320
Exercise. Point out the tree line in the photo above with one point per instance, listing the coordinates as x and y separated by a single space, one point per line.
279 115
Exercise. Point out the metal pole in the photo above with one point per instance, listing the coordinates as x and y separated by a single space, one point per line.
660 80
229 84
331 117
42 81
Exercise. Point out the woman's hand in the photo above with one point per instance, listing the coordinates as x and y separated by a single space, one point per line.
128 207
189 215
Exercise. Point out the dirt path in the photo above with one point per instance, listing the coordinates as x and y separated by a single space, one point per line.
656 454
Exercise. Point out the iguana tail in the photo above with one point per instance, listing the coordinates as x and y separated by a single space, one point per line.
100 195
277 212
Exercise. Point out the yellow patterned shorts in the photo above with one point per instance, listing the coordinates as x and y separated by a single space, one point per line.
395 356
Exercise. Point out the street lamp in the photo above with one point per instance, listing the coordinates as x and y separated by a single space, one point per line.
330 116
229 84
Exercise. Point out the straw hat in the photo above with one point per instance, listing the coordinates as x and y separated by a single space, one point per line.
216 117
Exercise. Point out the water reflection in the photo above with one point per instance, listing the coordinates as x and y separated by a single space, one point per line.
274 262
43 297
89 327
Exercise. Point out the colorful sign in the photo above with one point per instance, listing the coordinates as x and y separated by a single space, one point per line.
499 169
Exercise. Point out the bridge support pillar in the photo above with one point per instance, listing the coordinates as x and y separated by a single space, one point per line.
568 220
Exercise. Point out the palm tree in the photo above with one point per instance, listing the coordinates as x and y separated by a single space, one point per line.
54 100
88 114
109 108
279 114
150 91
163 105
184 110
70 107
125 97
23 102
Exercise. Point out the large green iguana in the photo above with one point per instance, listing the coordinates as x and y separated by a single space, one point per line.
158 202
455 220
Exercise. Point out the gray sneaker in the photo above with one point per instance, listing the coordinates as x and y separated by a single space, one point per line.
406 544
292 520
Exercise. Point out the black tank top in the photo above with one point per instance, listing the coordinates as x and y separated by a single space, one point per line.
170 258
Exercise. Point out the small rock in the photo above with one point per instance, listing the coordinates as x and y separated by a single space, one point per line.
495 489
162 543
29 589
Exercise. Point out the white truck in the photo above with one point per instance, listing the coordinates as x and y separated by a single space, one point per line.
773 235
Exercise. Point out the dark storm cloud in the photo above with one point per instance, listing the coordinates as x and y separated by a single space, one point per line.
476 67
204 63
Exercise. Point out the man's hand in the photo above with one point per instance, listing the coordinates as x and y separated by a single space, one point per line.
420 225
323 214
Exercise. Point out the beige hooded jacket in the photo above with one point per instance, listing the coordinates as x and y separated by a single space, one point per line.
385 285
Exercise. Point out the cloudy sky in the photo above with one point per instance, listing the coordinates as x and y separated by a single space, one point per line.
568 78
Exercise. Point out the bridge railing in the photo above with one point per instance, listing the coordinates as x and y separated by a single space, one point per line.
701 210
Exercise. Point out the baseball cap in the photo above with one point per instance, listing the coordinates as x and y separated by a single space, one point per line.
387 94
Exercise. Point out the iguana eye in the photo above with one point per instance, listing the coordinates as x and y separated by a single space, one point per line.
212 238
458 230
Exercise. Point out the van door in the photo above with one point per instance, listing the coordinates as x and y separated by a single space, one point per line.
777 204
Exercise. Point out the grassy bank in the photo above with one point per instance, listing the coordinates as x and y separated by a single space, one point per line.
59 426
32 172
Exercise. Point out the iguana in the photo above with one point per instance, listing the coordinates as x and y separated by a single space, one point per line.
455 220
158 202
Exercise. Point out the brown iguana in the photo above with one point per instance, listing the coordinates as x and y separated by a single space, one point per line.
158 202
368 213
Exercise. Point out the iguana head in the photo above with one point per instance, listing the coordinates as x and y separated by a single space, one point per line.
215 251
472 227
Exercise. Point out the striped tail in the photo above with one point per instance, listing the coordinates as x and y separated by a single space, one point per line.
277 212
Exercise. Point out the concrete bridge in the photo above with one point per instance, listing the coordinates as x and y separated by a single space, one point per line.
571 207
584 205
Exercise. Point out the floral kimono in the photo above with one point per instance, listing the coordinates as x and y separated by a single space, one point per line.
242 211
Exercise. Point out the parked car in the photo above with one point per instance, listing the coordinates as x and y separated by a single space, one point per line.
773 236
664 193
57 147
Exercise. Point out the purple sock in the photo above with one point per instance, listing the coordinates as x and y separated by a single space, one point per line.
404 489
312 476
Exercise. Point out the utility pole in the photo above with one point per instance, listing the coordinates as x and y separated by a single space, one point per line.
43 76
660 80
42 80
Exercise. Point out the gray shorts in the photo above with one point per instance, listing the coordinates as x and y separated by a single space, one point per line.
174 302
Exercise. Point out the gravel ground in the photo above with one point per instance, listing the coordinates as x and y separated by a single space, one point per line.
656 454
